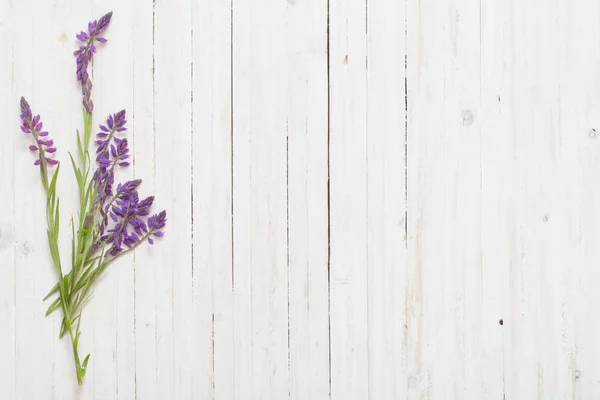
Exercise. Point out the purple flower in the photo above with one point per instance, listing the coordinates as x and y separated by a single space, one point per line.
111 151
85 54
114 123
157 221
33 125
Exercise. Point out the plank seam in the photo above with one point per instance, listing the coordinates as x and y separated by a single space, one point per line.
329 189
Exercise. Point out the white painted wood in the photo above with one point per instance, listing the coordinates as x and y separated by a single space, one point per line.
8 247
307 123
173 164
260 272
498 172
348 147
386 199
574 238
445 260
212 302
322 242
142 121
34 276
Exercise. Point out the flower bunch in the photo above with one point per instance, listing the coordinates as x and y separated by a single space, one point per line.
112 221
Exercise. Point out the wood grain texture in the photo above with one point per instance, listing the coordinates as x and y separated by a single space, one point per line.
348 200
8 247
260 273
366 199
306 129
445 270
386 198
213 316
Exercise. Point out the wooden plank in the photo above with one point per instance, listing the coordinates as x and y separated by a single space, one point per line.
306 32
348 199
386 198
8 154
552 101
259 200
444 308
142 122
113 302
497 191
172 172
34 275
212 301
541 161
571 287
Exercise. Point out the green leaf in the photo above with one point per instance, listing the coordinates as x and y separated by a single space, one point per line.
52 291
85 363
52 187
72 243
57 219
79 146
53 306
63 329
75 169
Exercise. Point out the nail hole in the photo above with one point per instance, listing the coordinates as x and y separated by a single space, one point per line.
593 133
501 321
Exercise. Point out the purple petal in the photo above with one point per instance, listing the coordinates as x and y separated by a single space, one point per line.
33 148
39 126
51 161
104 128
51 150
37 162
49 142
101 39
44 133
124 164
25 129
150 240
36 119
159 233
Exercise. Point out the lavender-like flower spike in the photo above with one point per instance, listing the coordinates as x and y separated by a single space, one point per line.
85 54
104 175
34 125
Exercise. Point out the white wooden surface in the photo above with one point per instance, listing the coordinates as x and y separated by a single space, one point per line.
382 199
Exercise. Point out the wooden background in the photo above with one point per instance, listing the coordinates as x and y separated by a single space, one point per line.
367 199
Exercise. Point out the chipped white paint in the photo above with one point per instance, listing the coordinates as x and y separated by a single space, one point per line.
367 199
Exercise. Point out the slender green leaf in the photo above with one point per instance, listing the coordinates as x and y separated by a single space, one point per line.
52 291
85 362
53 306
